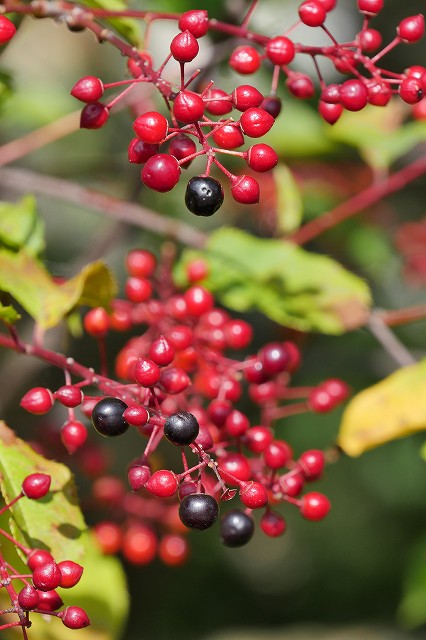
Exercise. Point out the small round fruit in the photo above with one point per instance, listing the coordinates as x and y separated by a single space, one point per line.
204 196
161 172
107 417
198 511
181 428
236 528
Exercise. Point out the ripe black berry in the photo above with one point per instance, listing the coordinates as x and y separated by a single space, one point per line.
203 196
236 528
107 417
181 428
198 511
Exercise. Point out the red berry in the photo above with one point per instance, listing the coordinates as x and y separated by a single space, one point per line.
88 89
196 270
254 372
236 423
261 158
161 172
36 486
139 544
228 136
37 401
370 40
321 401
245 96
140 151
28 598
272 105
238 334
379 94
140 263
312 13
38 557
217 102
328 4
257 439
195 21
173 550
236 465
136 66
314 506
331 94
330 112
277 454
256 122
181 146
300 86
161 351
136 415
272 524
412 29
245 59
245 190
336 388
137 476
411 90
274 358
96 322
174 380
151 127
184 47
74 618
353 95
147 372
47 576
263 393
370 7
94 115
280 50
254 495
292 483
73 435
70 396
162 484
311 464
7 30
188 107
71 573
108 536
198 300
138 289
49 600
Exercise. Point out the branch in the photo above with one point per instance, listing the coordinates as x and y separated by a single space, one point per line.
397 317
360 202
389 341
23 180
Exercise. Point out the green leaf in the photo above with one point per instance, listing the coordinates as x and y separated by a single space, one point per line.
127 27
412 608
26 279
390 409
20 225
289 200
8 314
54 522
302 290
379 134
6 88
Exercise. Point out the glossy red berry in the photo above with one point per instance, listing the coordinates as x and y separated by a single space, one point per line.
36 486
96 322
257 439
188 107
236 528
69 395
370 40
234 467
320 400
379 94
173 550
71 573
161 172
245 97
336 388
49 600
314 506
174 380
38 401
195 21
330 112
236 423
140 263
47 576
151 127
204 196
181 146
280 50
217 102
228 136
238 334
147 372
107 417
245 59
300 86
74 618
138 289
311 464
139 544
274 358
277 454
256 122
73 435
291 484
139 151
272 524
353 95
137 476
331 94
28 598
312 13
261 158
198 511
184 47
328 4
370 7
198 300
161 351
7 30
38 557
411 29
162 483
411 90
254 495
245 190
94 115
196 270
88 89
108 536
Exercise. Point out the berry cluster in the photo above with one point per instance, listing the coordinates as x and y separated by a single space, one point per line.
182 384
38 593
163 146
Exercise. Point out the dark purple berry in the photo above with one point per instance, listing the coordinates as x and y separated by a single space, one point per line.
236 528
181 428
198 511
204 196
107 417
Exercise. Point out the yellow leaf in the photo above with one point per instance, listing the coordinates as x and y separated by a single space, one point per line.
391 409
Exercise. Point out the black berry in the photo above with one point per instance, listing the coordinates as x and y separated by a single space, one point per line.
236 528
204 196
198 511
181 428
107 417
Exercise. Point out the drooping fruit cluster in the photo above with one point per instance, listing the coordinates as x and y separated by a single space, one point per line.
37 592
179 382
209 121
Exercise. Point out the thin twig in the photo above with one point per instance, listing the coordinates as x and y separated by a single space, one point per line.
389 341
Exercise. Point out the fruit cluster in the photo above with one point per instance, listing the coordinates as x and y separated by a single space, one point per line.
38 593
163 146
179 381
